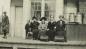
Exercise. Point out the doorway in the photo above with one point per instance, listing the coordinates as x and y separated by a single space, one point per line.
18 21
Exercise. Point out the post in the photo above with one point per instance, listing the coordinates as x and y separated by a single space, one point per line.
59 8
26 13
43 8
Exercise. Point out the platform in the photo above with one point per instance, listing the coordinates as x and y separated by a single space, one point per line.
26 43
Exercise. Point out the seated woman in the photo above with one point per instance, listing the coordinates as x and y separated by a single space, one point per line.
43 29
60 29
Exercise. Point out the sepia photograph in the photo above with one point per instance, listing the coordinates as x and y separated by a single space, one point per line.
42 24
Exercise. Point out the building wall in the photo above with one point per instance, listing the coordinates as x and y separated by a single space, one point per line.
17 18
26 7
27 13
69 7
82 8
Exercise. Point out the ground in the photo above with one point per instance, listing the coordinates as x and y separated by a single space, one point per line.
28 41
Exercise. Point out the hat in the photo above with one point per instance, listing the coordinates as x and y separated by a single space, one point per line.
4 12
34 18
43 18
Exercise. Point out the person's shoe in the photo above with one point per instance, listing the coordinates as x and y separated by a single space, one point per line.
34 39
5 37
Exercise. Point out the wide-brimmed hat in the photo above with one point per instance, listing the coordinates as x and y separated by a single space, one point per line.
43 18
34 18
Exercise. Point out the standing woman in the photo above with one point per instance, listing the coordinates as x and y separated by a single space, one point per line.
51 31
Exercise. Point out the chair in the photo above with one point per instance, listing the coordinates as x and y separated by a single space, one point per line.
60 36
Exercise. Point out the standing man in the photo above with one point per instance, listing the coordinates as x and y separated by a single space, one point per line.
34 28
5 24
60 27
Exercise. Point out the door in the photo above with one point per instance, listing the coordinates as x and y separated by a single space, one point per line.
18 21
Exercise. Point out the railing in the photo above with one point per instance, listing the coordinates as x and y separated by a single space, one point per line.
76 32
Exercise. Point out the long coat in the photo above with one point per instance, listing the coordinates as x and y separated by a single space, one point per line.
27 27
5 24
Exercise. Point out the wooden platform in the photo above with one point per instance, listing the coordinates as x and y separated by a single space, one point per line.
23 43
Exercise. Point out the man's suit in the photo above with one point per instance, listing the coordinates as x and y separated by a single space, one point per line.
51 31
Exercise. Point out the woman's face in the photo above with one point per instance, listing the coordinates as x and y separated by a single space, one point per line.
60 18
34 19
43 20
51 19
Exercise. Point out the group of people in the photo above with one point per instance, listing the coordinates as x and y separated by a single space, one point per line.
45 29
38 29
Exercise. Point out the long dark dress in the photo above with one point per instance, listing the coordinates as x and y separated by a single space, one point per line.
60 33
60 28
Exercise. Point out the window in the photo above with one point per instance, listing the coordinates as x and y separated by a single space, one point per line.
36 8
49 8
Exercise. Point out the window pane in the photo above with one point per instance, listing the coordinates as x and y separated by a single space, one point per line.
36 8
39 7
50 8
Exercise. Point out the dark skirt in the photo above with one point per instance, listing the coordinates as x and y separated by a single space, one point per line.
60 36
60 33
51 34
42 34
35 33
5 29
